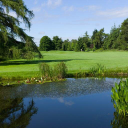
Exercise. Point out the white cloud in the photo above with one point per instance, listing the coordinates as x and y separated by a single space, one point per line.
41 33
68 9
37 9
36 1
81 9
88 8
49 16
114 13
61 100
44 16
52 3
93 7
106 15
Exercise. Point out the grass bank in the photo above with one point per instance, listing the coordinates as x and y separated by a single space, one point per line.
78 64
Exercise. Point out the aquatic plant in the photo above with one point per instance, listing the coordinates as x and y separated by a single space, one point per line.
58 72
120 97
46 71
99 69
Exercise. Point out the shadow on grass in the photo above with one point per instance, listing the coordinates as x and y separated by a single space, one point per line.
6 63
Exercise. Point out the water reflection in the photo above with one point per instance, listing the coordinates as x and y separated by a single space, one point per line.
72 103
119 121
61 100
70 88
14 113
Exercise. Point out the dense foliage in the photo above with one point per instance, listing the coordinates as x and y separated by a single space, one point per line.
58 72
117 39
120 97
10 30
45 44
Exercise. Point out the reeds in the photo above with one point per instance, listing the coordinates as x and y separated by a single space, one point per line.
58 72
99 69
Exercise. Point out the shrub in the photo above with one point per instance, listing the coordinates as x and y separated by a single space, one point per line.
14 53
58 72
87 50
45 71
93 49
29 55
98 69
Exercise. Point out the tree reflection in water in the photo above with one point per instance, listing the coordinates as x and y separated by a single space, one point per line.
14 114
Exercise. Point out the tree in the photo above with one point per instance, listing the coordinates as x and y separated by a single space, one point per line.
57 42
98 38
10 30
77 47
111 40
86 41
73 44
94 34
80 43
45 44
122 40
65 45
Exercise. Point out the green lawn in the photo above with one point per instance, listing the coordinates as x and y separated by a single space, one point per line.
75 61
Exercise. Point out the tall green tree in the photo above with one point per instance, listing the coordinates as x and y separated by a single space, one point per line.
73 44
111 39
10 29
122 40
94 34
45 44
77 47
57 42
98 38
65 45
86 41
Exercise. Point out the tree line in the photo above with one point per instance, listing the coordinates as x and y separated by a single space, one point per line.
116 39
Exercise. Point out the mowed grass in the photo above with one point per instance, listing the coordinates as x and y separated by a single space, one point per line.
75 61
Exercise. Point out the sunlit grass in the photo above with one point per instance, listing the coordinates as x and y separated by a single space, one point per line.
75 61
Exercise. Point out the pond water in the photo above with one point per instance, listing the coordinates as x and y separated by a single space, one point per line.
75 103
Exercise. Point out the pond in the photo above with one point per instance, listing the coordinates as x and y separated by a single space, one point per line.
74 103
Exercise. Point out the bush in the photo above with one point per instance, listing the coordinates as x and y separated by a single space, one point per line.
93 49
45 70
98 69
14 53
29 55
58 72
87 50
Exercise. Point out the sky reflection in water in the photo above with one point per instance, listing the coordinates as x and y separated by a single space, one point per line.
75 103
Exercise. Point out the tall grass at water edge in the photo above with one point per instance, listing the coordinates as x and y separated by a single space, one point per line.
99 69
58 72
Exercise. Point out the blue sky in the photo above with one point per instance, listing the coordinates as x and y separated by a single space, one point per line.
70 19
